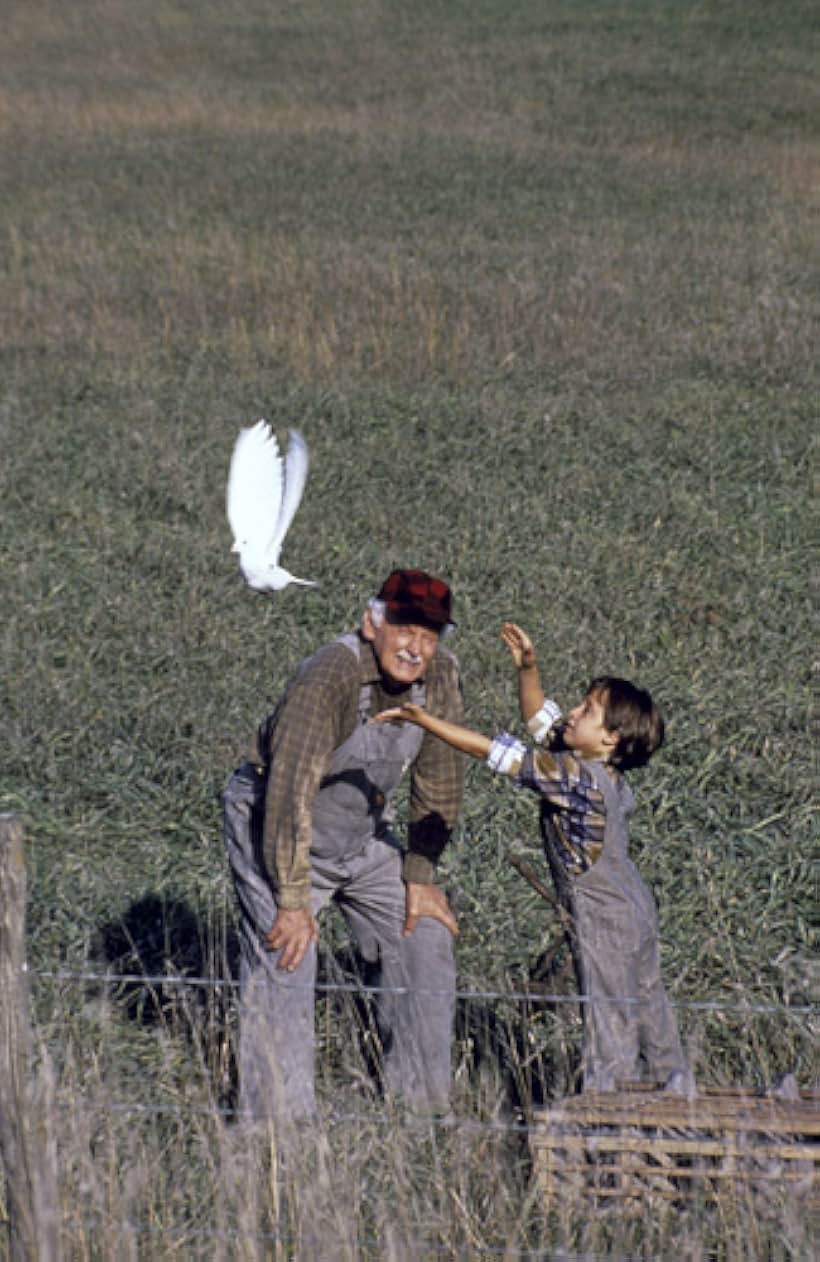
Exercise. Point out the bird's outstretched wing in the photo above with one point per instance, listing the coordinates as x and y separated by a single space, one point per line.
255 494
296 468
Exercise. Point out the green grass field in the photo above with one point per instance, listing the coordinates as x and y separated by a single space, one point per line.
539 282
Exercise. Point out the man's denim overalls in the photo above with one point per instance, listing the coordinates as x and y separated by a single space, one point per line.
355 862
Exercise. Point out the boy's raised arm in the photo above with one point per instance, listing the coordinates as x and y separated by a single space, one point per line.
522 651
463 738
538 713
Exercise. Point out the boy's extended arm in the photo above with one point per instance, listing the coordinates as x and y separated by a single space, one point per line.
463 738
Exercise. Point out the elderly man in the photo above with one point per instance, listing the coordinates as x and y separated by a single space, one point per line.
309 821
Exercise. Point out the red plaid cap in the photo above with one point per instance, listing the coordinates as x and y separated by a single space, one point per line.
415 596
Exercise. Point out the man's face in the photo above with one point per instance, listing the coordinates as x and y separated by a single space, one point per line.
404 650
585 731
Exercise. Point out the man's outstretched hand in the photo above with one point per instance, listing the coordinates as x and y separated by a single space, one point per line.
292 934
427 900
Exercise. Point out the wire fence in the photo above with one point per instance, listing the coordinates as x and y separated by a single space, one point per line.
201 1238
804 1014
174 1110
516 996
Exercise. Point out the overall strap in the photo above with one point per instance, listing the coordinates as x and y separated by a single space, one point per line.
616 793
619 802
351 641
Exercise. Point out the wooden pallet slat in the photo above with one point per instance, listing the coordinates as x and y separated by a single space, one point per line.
637 1142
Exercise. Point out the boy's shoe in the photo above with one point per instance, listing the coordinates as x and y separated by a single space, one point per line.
786 1088
681 1083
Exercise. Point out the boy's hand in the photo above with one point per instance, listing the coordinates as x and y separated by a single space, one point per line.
409 711
520 645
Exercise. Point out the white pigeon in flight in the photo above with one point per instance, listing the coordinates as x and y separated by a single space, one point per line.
262 497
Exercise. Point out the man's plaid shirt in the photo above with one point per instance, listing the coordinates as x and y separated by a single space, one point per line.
317 713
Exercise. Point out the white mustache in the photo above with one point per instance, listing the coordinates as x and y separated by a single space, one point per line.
412 659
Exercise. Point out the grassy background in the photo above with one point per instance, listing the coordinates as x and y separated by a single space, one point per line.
539 283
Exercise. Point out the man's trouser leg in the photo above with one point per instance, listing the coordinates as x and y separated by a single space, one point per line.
417 974
276 1019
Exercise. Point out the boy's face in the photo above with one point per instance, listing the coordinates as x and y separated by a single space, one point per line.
585 731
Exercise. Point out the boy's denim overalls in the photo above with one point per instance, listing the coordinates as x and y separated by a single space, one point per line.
616 924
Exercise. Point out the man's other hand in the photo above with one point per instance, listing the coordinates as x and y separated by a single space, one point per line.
427 900
292 934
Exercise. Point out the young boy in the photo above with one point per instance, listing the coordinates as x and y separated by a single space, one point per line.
586 805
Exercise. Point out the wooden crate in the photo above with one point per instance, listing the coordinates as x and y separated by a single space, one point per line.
635 1144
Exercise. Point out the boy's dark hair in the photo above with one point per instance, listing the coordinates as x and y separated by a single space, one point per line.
631 712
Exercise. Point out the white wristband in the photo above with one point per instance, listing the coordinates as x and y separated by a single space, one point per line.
544 720
506 753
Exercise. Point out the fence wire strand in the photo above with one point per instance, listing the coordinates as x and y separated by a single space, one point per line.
288 1240
518 996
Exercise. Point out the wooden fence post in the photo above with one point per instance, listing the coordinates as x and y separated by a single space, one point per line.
26 1146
